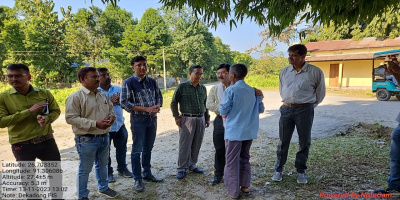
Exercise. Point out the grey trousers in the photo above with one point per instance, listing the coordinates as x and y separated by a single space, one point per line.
191 135
237 168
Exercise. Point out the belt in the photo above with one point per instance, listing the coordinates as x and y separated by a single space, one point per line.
295 105
38 139
192 115
93 135
143 116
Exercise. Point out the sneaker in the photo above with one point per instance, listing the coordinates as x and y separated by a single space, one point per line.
110 193
111 178
126 173
301 178
139 185
181 175
277 176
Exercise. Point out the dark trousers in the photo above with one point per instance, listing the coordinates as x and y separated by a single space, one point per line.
44 151
301 118
119 138
143 135
219 145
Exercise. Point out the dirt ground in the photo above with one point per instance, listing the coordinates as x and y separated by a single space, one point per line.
164 163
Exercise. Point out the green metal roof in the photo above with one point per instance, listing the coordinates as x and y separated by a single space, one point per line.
386 53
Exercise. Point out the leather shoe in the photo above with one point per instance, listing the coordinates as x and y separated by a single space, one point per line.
197 170
181 175
152 178
216 179
139 185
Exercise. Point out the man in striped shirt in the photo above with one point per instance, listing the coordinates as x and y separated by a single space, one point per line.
142 98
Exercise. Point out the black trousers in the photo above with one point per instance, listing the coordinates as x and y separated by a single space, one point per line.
44 151
219 145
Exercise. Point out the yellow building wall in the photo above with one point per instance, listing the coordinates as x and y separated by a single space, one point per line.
355 73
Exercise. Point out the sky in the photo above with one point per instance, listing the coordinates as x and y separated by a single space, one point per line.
240 38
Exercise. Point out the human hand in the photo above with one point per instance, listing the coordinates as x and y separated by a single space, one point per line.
178 122
110 119
41 120
259 92
115 98
36 107
153 109
207 124
103 124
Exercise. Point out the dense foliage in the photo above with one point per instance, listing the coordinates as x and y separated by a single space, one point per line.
56 47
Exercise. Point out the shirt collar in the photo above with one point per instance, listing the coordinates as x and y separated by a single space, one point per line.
304 68
109 89
31 89
138 78
86 91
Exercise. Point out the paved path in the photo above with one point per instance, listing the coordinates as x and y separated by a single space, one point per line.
334 114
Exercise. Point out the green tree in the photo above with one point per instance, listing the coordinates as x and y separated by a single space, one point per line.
223 53
84 36
114 22
43 40
192 43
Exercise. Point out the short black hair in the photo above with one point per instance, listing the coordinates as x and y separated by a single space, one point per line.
137 59
84 71
102 69
240 70
226 66
394 59
300 48
194 67
18 66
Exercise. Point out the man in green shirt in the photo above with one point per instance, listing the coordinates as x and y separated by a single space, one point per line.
193 120
28 113
21 110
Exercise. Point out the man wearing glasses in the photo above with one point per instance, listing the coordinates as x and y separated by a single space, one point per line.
29 124
192 121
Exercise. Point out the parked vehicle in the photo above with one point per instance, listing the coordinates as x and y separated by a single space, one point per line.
384 85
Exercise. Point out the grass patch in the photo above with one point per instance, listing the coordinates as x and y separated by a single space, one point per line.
263 81
354 162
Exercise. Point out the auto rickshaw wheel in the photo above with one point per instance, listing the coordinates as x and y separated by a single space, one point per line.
383 95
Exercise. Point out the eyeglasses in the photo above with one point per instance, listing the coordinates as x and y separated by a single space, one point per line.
16 76
222 73
198 74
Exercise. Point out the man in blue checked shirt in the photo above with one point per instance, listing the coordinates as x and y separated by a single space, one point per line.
118 132
142 98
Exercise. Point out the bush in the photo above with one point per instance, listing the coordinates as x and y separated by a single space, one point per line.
61 95
263 81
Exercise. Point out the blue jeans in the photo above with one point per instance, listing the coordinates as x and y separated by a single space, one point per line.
92 149
143 136
394 178
119 138
301 118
